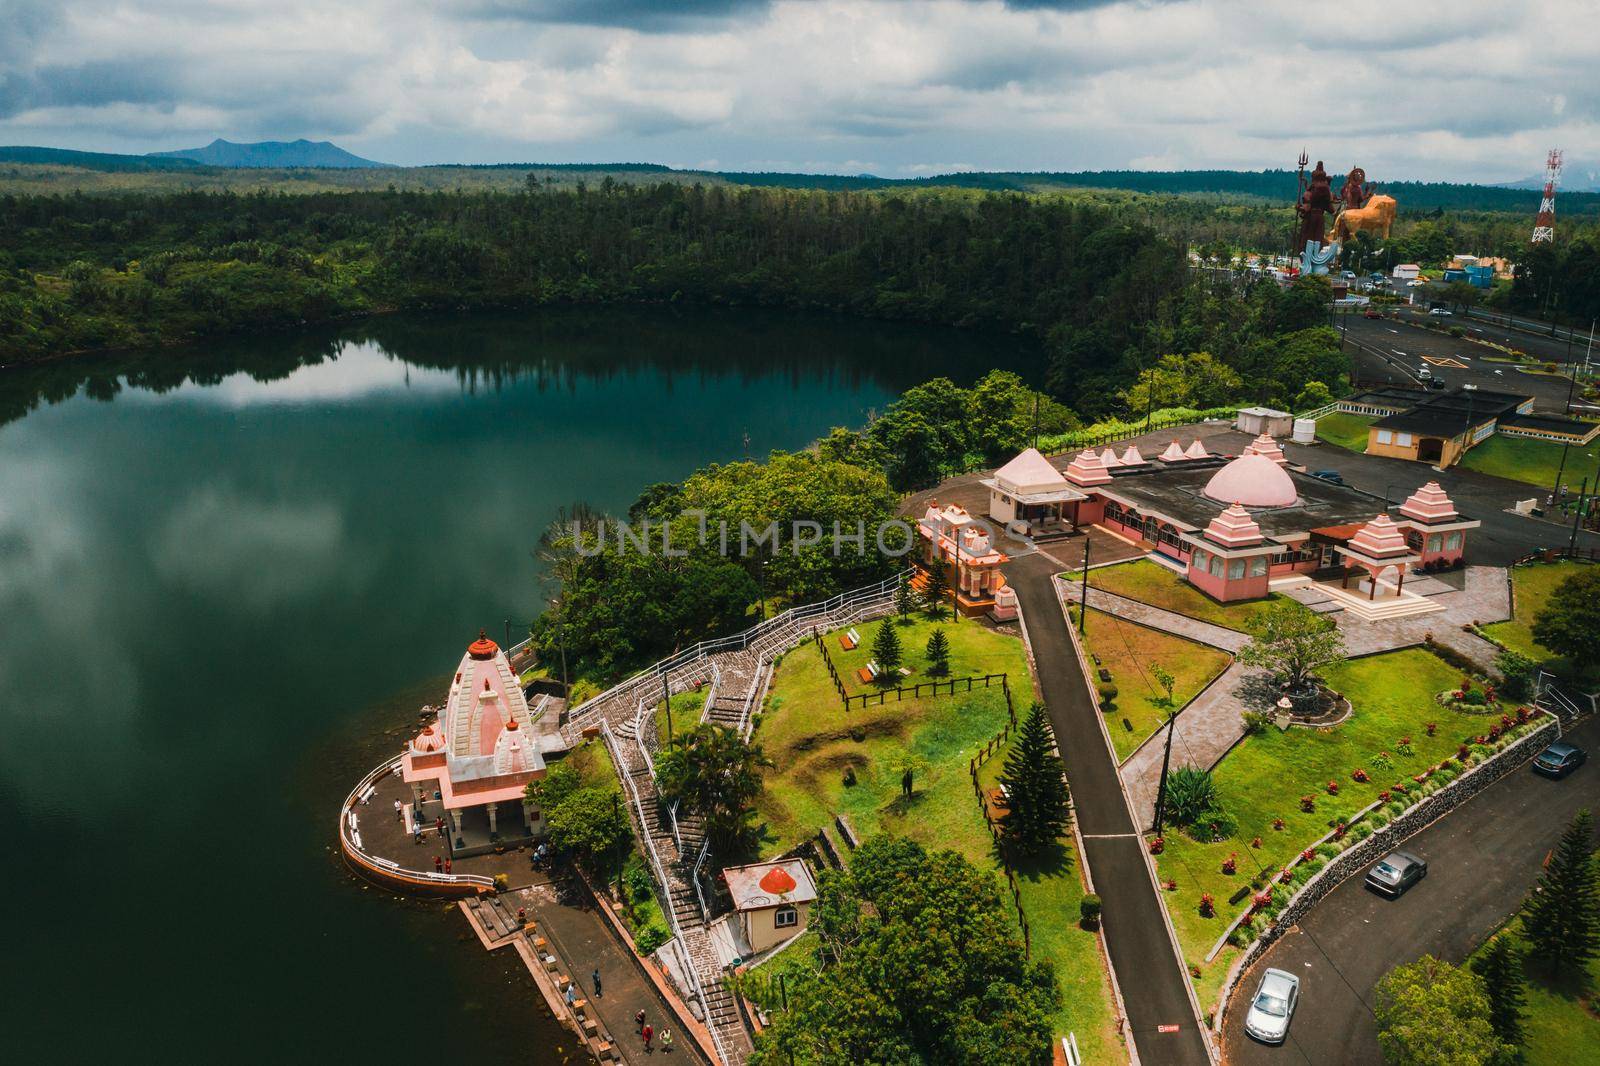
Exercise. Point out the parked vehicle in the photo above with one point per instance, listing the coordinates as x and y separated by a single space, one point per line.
1272 1009
1396 872
1559 759
1372 312
1442 312
1330 476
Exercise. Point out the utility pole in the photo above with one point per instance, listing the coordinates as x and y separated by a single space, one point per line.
1036 416
1083 605
1166 762
666 699
1577 519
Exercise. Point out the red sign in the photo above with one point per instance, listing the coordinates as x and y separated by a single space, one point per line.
1166 1028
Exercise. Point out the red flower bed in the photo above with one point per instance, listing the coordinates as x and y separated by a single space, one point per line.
1277 823
1360 775
1333 788
1157 846
1230 865
1208 906
1308 803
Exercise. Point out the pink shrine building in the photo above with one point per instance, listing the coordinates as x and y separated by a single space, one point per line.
472 765
953 540
1239 527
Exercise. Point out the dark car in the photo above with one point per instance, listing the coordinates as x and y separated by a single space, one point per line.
1331 476
1395 873
1558 760
1371 313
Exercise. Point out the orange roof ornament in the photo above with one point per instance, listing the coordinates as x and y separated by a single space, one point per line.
483 648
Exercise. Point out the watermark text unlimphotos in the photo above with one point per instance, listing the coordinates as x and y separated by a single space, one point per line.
892 538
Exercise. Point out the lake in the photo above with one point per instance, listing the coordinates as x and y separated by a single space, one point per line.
228 578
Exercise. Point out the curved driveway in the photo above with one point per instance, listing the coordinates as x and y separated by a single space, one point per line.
1482 859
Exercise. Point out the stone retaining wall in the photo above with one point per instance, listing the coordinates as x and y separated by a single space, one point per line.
1360 854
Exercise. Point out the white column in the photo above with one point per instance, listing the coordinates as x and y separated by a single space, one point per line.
527 818
455 816
494 826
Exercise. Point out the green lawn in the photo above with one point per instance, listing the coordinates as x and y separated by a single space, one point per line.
1157 586
975 649
813 741
1535 461
1265 776
1128 650
1533 584
686 708
1559 1026
1346 430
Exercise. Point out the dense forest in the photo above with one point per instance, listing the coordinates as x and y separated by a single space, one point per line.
1104 292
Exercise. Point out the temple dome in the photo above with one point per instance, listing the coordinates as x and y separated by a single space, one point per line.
428 741
1253 481
483 647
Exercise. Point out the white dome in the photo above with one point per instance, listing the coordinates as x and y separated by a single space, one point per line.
1253 481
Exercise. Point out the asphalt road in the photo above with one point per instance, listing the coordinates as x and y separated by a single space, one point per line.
1153 984
1483 858
1385 350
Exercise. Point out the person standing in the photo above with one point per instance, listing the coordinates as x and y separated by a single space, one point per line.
446 865
572 994
594 979
438 865
638 1022
666 1041
647 1033
400 811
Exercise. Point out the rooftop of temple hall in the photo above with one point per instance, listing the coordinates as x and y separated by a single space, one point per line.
1176 491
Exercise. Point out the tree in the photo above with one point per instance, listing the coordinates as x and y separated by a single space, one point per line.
1313 396
1164 678
711 771
1191 793
1569 623
1036 788
1431 1013
905 600
1292 643
1198 379
886 651
936 591
922 963
1500 967
938 652
583 816
1562 922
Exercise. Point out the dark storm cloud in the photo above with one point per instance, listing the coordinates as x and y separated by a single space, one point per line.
648 16
92 84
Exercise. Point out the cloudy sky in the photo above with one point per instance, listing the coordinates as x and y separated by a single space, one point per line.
1464 90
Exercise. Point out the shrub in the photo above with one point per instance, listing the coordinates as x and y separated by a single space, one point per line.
1107 693
1230 865
1361 831
1208 906
1359 775
1277 823
1431 727
1308 803
1255 722
1382 760
650 938
1089 909
1333 788
1190 791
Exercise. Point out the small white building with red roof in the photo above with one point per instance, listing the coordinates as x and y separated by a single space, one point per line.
473 764
771 901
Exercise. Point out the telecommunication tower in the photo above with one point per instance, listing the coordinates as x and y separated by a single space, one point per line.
1544 226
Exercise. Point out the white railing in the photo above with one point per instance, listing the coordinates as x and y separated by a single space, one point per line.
699 863
644 825
849 606
672 816
711 692
350 838
1325 409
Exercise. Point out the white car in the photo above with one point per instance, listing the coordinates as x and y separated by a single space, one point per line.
1441 312
1273 1007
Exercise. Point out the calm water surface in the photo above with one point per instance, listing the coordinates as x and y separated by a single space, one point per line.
227 580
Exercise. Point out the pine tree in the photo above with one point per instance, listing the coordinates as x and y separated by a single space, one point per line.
937 590
1036 790
1501 969
886 648
905 599
1563 917
938 652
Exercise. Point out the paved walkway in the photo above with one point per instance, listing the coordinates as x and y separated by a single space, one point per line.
1213 723
579 935
1153 984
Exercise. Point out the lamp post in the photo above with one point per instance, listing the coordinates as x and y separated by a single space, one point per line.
666 701
1577 518
1083 604
1166 762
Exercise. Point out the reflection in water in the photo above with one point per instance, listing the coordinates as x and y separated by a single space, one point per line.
210 588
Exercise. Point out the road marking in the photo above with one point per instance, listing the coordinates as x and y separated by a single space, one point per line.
1167 1028
1107 836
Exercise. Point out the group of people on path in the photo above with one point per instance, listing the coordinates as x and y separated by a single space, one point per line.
647 1033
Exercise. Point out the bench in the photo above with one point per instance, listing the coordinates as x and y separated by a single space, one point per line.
846 642
864 675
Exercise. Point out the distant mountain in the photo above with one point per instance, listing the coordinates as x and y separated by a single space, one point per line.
23 153
301 153
1576 176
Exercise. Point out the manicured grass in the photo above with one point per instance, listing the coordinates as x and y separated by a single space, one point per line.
1346 430
686 709
1533 585
1265 776
1128 651
975 649
1535 462
812 741
1559 1025
1157 586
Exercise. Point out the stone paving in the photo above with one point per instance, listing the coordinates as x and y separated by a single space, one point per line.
1213 722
